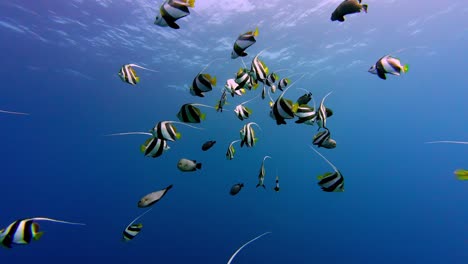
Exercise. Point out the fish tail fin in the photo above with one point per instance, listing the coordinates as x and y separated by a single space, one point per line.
178 135
364 7
213 81
405 68
198 166
255 32
38 235
203 116
191 3
137 79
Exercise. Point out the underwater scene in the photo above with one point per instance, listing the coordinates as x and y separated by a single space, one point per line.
242 131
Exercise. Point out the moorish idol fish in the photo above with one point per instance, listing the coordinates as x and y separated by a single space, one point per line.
203 82
235 189
23 231
243 112
13 113
388 64
347 7
234 88
154 147
153 197
231 150
323 113
190 113
461 174
261 174
128 74
243 42
132 230
207 145
258 68
284 108
247 135
221 102
330 182
171 10
237 251
283 83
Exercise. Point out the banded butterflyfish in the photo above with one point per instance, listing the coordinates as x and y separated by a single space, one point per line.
330 181
283 83
203 82
347 7
247 135
262 173
323 139
258 68
284 108
390 65
128 74
23 231
245 80
154 197
172 10
154 147
132 229
270 81
231 150
243 42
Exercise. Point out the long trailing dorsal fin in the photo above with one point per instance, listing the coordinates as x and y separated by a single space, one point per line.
209 63
447 141
134 220
141 67
253 123
235 141
250 100
13 113
196 104
289 86
181 123
238 250
266 157
129 133
331 164
54 220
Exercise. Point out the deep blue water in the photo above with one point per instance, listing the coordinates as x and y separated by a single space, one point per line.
402 203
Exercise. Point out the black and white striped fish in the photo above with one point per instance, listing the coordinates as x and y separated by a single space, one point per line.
23 231
243 42
201 84
259 69
171 10
232 87
283 83
323 139
132 230
167 131
231 150
247 135
221 102
323 113
388 64
284 108
277 188
128 74
262 173
189 113
154 147
244 79
330 181
306 115
243 112
270 81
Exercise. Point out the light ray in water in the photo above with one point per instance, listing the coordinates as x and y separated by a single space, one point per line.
235 253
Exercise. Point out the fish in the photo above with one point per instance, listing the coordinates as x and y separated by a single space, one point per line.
242 112
258 68
190 113
304 99
207 145
277 188
132 230
154 147
235 189
283 83
322 139
461 174
238 250
221 102
247 135
242 43
284 108
270 81
306 115
187 165
154 197
128 74
232 87
261 174
24 231
13 113
203 82
172 10
231 151
244 79
323 113
330 181
348 7
390 65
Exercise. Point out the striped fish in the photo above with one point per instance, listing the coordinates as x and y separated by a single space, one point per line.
243 112
202 83
244 79
165 130
242 43
247 135
189 113
171 10
330 181
154 147
304 99
388 64
259 69
221 102
277 188
128 74
231 150
284 108
270 81
283 83
306 115
323 113
232 87
132 230
321 137
23 231
261 174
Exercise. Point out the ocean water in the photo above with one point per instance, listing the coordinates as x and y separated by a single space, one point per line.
402 203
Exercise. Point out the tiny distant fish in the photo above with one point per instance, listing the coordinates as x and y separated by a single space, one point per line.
461 174
243 42
207 145
132 230
172 10
277 188
235 189
247 135
188 165
330 181
221 102
390 65
261 174
153 197
231 150
128 74
154 147
23 231
348 7
237 251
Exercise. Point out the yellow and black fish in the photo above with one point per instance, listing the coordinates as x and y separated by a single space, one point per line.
132 230
190 113
247 135
128 74
154 147
231 150
330 181
172 10
243 42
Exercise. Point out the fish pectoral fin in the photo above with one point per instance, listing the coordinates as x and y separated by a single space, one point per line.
243 54
381 75
38 235
172 24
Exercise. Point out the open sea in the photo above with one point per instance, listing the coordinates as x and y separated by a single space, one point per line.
401 202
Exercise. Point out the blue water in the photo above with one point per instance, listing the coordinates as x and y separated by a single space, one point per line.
402 203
